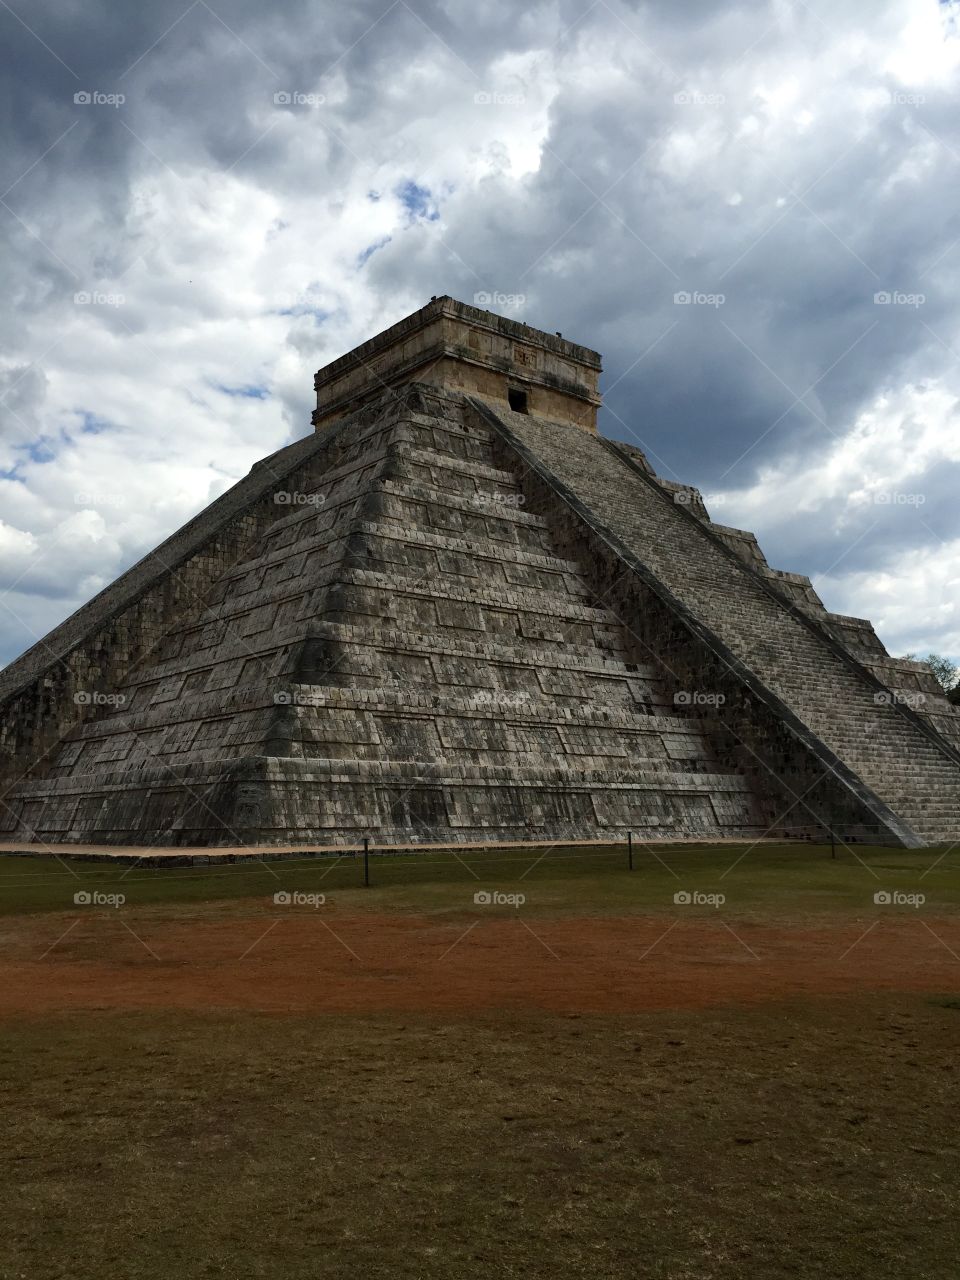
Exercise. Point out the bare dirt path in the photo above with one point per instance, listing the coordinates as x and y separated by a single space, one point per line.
382 963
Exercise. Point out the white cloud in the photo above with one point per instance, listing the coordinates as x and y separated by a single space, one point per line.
880 471
914 601
253 242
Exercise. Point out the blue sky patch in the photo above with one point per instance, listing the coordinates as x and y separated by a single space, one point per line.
40 451
418 202
371 249
91 425
246 393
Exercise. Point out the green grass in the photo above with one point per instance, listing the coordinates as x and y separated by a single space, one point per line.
785 879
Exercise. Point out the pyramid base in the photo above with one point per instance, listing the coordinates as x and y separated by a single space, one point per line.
273 801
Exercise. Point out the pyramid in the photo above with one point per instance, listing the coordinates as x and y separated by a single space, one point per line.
454 612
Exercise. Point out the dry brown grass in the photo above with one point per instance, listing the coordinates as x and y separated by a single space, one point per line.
799 1140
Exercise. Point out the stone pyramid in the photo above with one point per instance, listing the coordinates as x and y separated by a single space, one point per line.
456 613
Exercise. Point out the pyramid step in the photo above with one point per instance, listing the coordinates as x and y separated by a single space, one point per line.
554 605
333 769
337 589
467 543
466 504
409 639
438 551
497 706
379 647
413 455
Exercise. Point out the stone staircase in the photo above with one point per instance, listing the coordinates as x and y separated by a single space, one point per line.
839 701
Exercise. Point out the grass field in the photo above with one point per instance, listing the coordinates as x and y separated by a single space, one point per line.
401 1081
785 878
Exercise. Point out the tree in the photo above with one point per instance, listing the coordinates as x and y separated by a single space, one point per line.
946 671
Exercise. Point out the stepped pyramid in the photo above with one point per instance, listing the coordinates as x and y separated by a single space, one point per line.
456 613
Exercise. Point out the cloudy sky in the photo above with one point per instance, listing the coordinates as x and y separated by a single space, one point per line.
202 203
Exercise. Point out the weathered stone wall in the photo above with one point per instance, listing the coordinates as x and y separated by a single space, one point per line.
798 795
463 348
55 685
907 775
405 656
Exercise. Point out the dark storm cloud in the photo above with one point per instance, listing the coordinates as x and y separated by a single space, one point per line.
799 344
799 300
671 159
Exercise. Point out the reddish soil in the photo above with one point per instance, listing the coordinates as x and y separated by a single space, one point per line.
366 964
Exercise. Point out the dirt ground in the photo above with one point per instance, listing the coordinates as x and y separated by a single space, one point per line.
233 1088
324 963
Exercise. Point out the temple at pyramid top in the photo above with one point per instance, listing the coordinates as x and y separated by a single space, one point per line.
466 349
